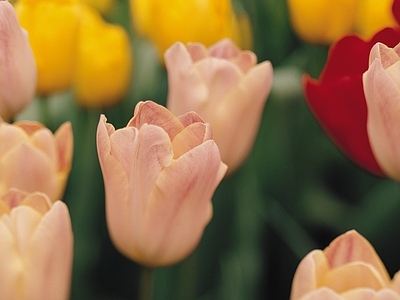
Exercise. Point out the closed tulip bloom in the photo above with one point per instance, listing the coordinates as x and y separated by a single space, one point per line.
322 21
53 34
104 66
18 71
36 246
103 6
381 87
348 269
165 23
223 85
160 173
33 159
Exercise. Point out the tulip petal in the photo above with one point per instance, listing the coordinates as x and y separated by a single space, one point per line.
149 112
311 269
386 55
189 138
44 141
65 143
183 190
319 294
29 169
11 137
49 256
353 247
254 88
352 276
197 51
383 101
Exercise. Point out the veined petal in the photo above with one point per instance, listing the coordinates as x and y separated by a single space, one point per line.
65 142
353 247
151 113
189 138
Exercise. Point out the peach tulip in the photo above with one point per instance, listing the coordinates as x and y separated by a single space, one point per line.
381 87
36 246
226 87
160 173
348 269
33 159
18 73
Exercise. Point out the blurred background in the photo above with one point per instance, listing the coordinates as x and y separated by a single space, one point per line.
296 191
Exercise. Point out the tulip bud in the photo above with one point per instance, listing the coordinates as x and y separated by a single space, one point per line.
33 159
36 246
349 268
381 87
18 71
160 173
104 66
53 33
223 85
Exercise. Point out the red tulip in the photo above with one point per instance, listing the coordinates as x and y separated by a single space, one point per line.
337 99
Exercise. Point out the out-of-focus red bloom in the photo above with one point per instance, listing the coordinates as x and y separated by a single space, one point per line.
396 10
337 99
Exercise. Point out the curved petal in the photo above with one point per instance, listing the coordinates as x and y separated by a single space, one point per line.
321 293
49 256
151 113
189 138
65 142
180 206
242 109
353 247
383 101
311 269
29 169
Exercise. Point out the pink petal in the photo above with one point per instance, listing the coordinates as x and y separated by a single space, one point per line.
385 54
352 247
383 102
10 137
225 49
154 114
321 294
180 204
197 51
189 138
49 256
65 142
311 269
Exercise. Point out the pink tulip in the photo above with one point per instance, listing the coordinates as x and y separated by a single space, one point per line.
160 173
382 93
36 246
349 268
33 159
226 87
18 73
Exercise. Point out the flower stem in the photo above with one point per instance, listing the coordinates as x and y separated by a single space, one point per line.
146 284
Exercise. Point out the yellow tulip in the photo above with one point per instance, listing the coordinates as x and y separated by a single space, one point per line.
104 63
322 21
374 15
165 23
53 31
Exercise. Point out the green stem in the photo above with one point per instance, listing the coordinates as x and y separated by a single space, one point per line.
44 110
146 284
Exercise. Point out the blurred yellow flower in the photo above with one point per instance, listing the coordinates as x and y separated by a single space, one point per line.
104 63
53 31
103 6
374 15
166 22
322 21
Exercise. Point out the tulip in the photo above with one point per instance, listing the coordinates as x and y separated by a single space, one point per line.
349 268
33 159
103 6
160 173
337 98
104 62
381 86
322 21
165 23
373 16
53 33
226 87
36 245
18 71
